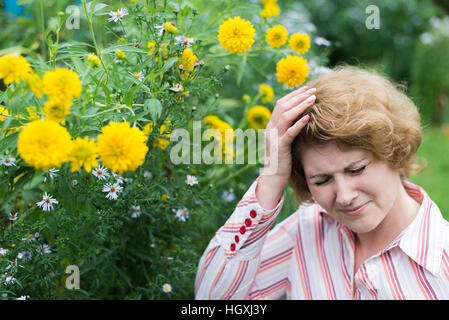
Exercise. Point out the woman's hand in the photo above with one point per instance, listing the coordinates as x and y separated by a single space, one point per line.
279 135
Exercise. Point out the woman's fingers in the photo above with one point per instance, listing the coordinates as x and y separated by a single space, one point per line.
289 116
292 94
294 130
293 101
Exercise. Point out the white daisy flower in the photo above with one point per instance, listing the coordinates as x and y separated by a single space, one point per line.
185 41
147 174
182 214
25 255
177 87
161 29
47 202
8 162
118 178
118 15
112 190
135 211
8 278
191 180
139 76
12 264
29 238
43 249
3 252
22 297
13 216
100 172
228 196
51 173
166 287
322 41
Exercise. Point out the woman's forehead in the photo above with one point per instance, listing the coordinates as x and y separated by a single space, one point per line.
331 156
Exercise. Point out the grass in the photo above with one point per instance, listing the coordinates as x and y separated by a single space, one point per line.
434 179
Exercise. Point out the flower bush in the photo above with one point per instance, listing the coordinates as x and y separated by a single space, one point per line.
87 132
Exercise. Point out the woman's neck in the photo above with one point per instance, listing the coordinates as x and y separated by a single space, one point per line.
402 213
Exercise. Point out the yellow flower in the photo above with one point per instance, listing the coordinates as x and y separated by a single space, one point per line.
94 60
3 113
225 135
292 71
44 144
32 114
170 27
61 85
83 154
276 36
267 92
164 141
35 84
300 43
236 35
122 148
57 110
119 54
258 117
151 45
270 10
187 63
14 69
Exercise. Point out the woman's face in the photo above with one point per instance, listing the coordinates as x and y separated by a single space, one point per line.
351 185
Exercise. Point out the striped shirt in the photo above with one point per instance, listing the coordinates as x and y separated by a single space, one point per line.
310 255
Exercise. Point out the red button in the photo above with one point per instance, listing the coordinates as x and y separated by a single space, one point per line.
233 247
253 214
236 238
248 222
242 229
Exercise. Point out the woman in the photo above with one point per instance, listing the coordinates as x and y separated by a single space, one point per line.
362 231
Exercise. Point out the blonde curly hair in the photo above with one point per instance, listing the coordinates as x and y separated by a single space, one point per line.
362 109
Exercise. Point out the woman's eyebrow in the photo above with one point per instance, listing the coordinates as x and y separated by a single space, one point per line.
347 167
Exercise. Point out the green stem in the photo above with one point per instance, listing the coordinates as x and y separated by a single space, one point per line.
41 4
223 181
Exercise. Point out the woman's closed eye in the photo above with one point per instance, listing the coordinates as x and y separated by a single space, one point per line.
353 172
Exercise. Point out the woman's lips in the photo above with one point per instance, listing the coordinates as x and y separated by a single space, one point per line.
356 211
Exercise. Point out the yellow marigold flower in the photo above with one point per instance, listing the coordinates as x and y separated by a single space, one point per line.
14 69
292 71
300 43
267 92
276 36
44 144
122 40
83 154
224 136
236 35
119 54
57 110
3 113
170 27
164 141
35 84
270 10
122 148
258 117
187 63
61 85
94 60
265 2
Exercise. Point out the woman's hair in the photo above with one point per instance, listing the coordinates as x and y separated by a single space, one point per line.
359 108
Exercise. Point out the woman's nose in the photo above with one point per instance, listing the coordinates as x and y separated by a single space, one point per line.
345 193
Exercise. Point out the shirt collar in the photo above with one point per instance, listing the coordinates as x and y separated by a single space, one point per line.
424 239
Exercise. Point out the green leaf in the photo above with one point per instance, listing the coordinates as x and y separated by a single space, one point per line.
170 62
155 108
